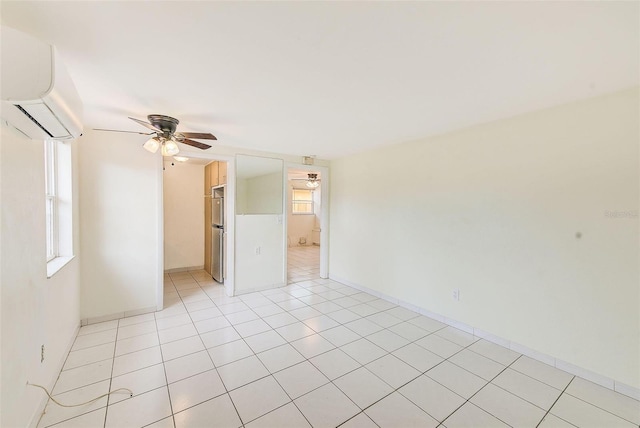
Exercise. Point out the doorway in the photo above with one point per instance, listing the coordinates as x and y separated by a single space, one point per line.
304 224
184 228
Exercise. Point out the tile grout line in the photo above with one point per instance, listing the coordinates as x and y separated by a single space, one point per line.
167 385
554 403
337 347
254 354
310 284
56 382
406 383
164 369
287 342
212 363
468 400
588 402
270 373
319 332
113 362
334 348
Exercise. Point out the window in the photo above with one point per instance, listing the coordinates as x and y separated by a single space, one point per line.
302 201
58 205
50 196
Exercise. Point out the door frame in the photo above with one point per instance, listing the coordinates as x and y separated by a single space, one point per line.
324 215
230 204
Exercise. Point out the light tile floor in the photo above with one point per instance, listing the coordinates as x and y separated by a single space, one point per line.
315 353
303 263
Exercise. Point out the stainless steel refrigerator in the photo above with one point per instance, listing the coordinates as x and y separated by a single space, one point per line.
217 234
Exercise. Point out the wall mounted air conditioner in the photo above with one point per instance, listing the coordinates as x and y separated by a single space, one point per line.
38 96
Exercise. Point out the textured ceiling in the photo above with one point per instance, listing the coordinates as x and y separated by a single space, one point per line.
333 78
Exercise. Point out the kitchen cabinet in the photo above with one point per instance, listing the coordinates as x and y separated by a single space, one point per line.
207 179
222 173
214 173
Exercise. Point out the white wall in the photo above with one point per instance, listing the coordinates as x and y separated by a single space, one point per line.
183 192
259 195
259 252
121 209
494 210
241 195
35 310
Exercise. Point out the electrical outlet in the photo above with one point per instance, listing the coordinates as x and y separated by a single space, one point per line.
42 354
456 295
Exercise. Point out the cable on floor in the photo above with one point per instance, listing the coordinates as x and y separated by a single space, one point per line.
80 404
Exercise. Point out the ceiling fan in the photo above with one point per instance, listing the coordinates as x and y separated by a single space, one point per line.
164 128
312 181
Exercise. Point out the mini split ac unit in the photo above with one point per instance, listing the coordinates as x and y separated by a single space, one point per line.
37 93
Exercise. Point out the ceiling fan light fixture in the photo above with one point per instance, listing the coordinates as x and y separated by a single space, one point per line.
152 145
181 158
164 130
312 181
170 148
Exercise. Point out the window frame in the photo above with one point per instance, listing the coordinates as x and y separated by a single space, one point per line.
51 200
58 199
308 202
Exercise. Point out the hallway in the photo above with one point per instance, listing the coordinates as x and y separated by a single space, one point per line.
303 263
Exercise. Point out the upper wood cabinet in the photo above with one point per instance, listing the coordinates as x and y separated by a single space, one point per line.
207 179
215 174
222 173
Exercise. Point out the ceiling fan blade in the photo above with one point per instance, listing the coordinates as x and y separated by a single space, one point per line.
198 135
128 132
146 125
195 144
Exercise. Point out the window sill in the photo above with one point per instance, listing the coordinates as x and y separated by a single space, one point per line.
56 264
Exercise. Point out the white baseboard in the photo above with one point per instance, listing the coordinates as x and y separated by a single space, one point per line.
589 375
184 269
255 289
118 315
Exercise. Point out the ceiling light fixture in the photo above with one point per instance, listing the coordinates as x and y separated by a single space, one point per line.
312 181
152 144
170 148
181 158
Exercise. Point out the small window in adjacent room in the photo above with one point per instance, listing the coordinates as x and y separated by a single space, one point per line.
302 201
58 205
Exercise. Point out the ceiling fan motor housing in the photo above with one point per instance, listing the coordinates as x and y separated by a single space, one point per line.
167 124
